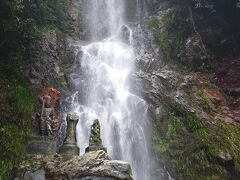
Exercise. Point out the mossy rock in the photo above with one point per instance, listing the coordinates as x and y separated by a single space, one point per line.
190 148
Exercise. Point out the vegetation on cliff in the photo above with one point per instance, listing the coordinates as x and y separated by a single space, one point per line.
197 33
194 148
21 23
200 37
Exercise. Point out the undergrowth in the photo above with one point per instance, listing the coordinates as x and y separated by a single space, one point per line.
15 123
191 147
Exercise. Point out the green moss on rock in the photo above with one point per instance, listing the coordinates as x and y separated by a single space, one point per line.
190 147
18 104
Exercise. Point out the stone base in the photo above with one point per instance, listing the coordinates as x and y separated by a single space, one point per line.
42 146
69 150
95 148
97 178
95 165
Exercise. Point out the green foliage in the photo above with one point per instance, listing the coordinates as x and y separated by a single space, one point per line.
228 140
216 4
16 112
171 34
211 27
13 146
160 38
48 13
21 23
64 82
184 142
204 102
24 100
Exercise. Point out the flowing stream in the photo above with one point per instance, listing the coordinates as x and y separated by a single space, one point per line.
102 81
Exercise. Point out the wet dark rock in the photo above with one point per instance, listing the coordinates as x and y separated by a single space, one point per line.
51 58
194 51
225 156
235 92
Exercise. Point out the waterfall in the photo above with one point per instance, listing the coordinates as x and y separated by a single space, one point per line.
102 82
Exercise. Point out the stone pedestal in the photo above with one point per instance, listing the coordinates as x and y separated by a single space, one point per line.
95 165
41 145
95 148
70 147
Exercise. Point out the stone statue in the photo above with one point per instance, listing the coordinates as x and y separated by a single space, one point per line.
46 121
49 118
95 141
95 137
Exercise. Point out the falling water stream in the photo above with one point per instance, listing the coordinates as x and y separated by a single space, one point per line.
102 81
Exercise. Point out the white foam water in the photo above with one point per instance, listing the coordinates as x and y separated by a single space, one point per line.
102 80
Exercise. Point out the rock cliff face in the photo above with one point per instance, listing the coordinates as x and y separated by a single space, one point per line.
50 56
51 59
195 118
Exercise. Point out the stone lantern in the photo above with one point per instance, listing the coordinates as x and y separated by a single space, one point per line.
70 147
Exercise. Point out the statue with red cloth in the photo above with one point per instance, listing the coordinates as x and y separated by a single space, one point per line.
49 117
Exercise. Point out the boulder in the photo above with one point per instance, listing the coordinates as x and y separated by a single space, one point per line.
95 165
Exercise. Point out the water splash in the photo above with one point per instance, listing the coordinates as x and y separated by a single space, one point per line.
102 80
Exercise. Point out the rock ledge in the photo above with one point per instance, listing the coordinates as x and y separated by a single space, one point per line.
94 165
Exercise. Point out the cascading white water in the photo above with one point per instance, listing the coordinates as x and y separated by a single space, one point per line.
101 78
